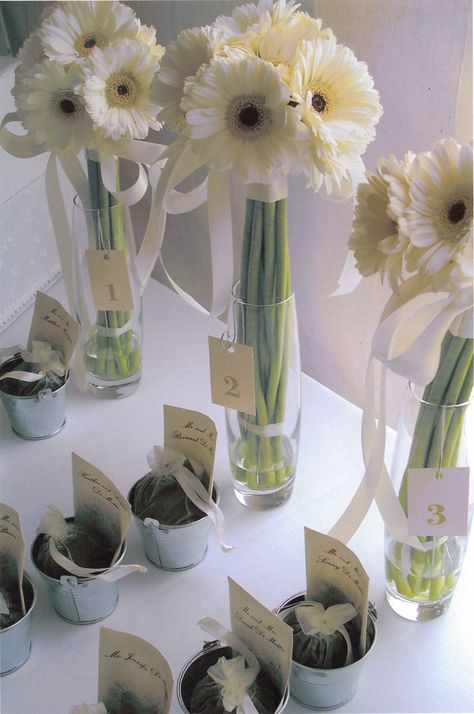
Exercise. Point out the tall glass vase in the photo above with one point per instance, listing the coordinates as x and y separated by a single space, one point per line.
435 431
111 338
263 449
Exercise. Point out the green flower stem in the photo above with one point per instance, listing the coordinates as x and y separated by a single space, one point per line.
115 356
265 281
435 444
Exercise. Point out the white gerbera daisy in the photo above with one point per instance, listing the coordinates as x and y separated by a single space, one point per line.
146 34
439 220
117 83
75 28
337 102
30 54
52 111
239 118
181 61
374 228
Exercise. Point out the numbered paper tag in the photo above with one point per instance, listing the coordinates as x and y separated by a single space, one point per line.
232 375
109 278
438 501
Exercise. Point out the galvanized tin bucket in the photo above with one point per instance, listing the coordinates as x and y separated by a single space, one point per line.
15 641
80 601
174 547
39 416
328 688
196 669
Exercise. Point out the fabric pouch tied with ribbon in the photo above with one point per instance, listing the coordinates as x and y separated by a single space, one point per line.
236 684
320 638
175 492
36 370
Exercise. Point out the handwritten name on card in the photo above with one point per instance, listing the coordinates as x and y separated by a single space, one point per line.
334 574
192 433
93 490
265 634
135 664
53 324
12 542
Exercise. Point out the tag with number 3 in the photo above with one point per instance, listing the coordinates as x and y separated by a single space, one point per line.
232 375
438 501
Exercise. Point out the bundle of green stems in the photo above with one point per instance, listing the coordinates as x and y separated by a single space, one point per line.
116 356
265 281
436 442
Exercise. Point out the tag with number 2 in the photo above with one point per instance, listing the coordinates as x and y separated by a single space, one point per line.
438 501
232 375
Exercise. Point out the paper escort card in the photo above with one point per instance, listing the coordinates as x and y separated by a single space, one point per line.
133 675
232 375
193 434
265 634
109 279
438 501
334 575
12 552
96 496
53 324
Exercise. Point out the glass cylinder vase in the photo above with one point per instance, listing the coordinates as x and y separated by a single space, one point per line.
420 583
263 449
111 330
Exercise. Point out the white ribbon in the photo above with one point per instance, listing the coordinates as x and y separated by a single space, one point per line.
168 462
314 620
267 430
408 341
216 630
42 354
88 709
113 331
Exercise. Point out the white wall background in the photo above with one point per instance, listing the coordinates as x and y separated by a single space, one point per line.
414 50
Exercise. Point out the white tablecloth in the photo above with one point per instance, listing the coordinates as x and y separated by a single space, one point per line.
414 667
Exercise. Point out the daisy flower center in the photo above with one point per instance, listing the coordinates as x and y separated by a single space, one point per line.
457 217
85 43
121 90
320 101
68 105
249 117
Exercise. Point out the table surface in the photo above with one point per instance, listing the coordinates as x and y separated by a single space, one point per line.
414 667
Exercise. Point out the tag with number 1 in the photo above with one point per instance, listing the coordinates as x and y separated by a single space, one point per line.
438 501
109 278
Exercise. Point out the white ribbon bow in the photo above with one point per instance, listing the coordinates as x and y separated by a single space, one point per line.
168 462
234 679
88 709
314 620
42 354
233 676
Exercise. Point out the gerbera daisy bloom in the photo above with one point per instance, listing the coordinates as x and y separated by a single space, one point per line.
239 118
336 101
439 218
51 109
116 90
146 34
375 238
181 61
75 28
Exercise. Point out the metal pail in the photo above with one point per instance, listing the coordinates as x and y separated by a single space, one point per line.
15 641
39 416
328 688
196 669
80 601
175 547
